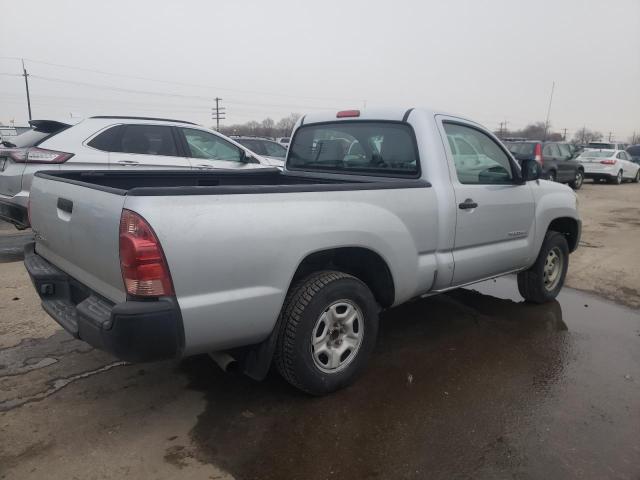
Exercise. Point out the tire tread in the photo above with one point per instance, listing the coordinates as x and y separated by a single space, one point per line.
296 302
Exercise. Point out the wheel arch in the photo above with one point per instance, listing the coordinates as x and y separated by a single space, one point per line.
361 262
569 227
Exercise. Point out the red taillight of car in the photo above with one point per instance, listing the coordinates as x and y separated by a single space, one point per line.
144 267
38 155
348 113
608 161
537 154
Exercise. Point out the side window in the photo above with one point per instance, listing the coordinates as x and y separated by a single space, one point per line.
479 159
209 146
275 150
464 148
148 140
565 151
253 145
106 140
452 145
619 155
550 150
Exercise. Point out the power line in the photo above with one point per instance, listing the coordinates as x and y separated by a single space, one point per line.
184 84
167 94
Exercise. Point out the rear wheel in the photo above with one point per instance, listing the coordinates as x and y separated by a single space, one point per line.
329 326
636 179
617 180
543 280
551 176
576 184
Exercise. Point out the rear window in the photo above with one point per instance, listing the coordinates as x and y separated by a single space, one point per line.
30 138
609 146
356 147
597 154
521 148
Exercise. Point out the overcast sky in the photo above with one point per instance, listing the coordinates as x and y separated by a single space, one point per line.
488 60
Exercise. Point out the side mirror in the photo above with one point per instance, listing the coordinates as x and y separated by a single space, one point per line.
531 170
246 157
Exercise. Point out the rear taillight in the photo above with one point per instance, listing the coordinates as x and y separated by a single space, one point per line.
608 161
38 155
537 154
144 267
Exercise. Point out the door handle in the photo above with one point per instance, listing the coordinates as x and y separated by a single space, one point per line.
128 162
205 167
65 205
467 204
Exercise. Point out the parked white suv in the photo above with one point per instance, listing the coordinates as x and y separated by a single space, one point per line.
108 143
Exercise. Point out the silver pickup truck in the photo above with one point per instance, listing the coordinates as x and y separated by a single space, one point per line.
373 209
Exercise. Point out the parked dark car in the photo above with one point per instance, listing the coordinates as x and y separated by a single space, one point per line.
556 159
634 153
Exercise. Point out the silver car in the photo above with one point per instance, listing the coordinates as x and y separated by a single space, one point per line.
111 143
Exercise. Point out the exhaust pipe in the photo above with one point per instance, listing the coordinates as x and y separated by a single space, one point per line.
225 361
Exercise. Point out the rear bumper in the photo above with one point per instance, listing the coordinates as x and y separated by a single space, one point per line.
135 331
14 213
600 175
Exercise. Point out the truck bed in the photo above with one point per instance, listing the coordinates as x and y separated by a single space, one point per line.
163 182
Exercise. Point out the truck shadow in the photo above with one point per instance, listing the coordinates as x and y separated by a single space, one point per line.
448 374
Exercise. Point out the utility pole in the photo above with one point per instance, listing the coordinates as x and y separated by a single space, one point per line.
564 134
218 113
610 133
584 131
26 84
546 123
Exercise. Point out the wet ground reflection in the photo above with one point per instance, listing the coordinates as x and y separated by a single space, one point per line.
472 383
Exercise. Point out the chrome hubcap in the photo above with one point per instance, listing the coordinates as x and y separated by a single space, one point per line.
552 269
578 179
336 336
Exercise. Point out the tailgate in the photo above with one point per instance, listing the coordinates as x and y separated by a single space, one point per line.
76 228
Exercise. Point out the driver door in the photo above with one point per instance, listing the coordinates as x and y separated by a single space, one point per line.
495 214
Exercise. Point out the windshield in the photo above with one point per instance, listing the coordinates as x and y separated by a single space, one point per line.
598 154
609 146
378 148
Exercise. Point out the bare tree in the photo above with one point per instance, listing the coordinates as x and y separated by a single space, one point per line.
584 135
267 128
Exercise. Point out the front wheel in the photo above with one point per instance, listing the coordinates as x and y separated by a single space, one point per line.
577 182
542 282
328 329
636 179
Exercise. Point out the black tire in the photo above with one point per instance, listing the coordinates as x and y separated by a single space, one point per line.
551 176
636 179
531 282
617 180
303 307
578 181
